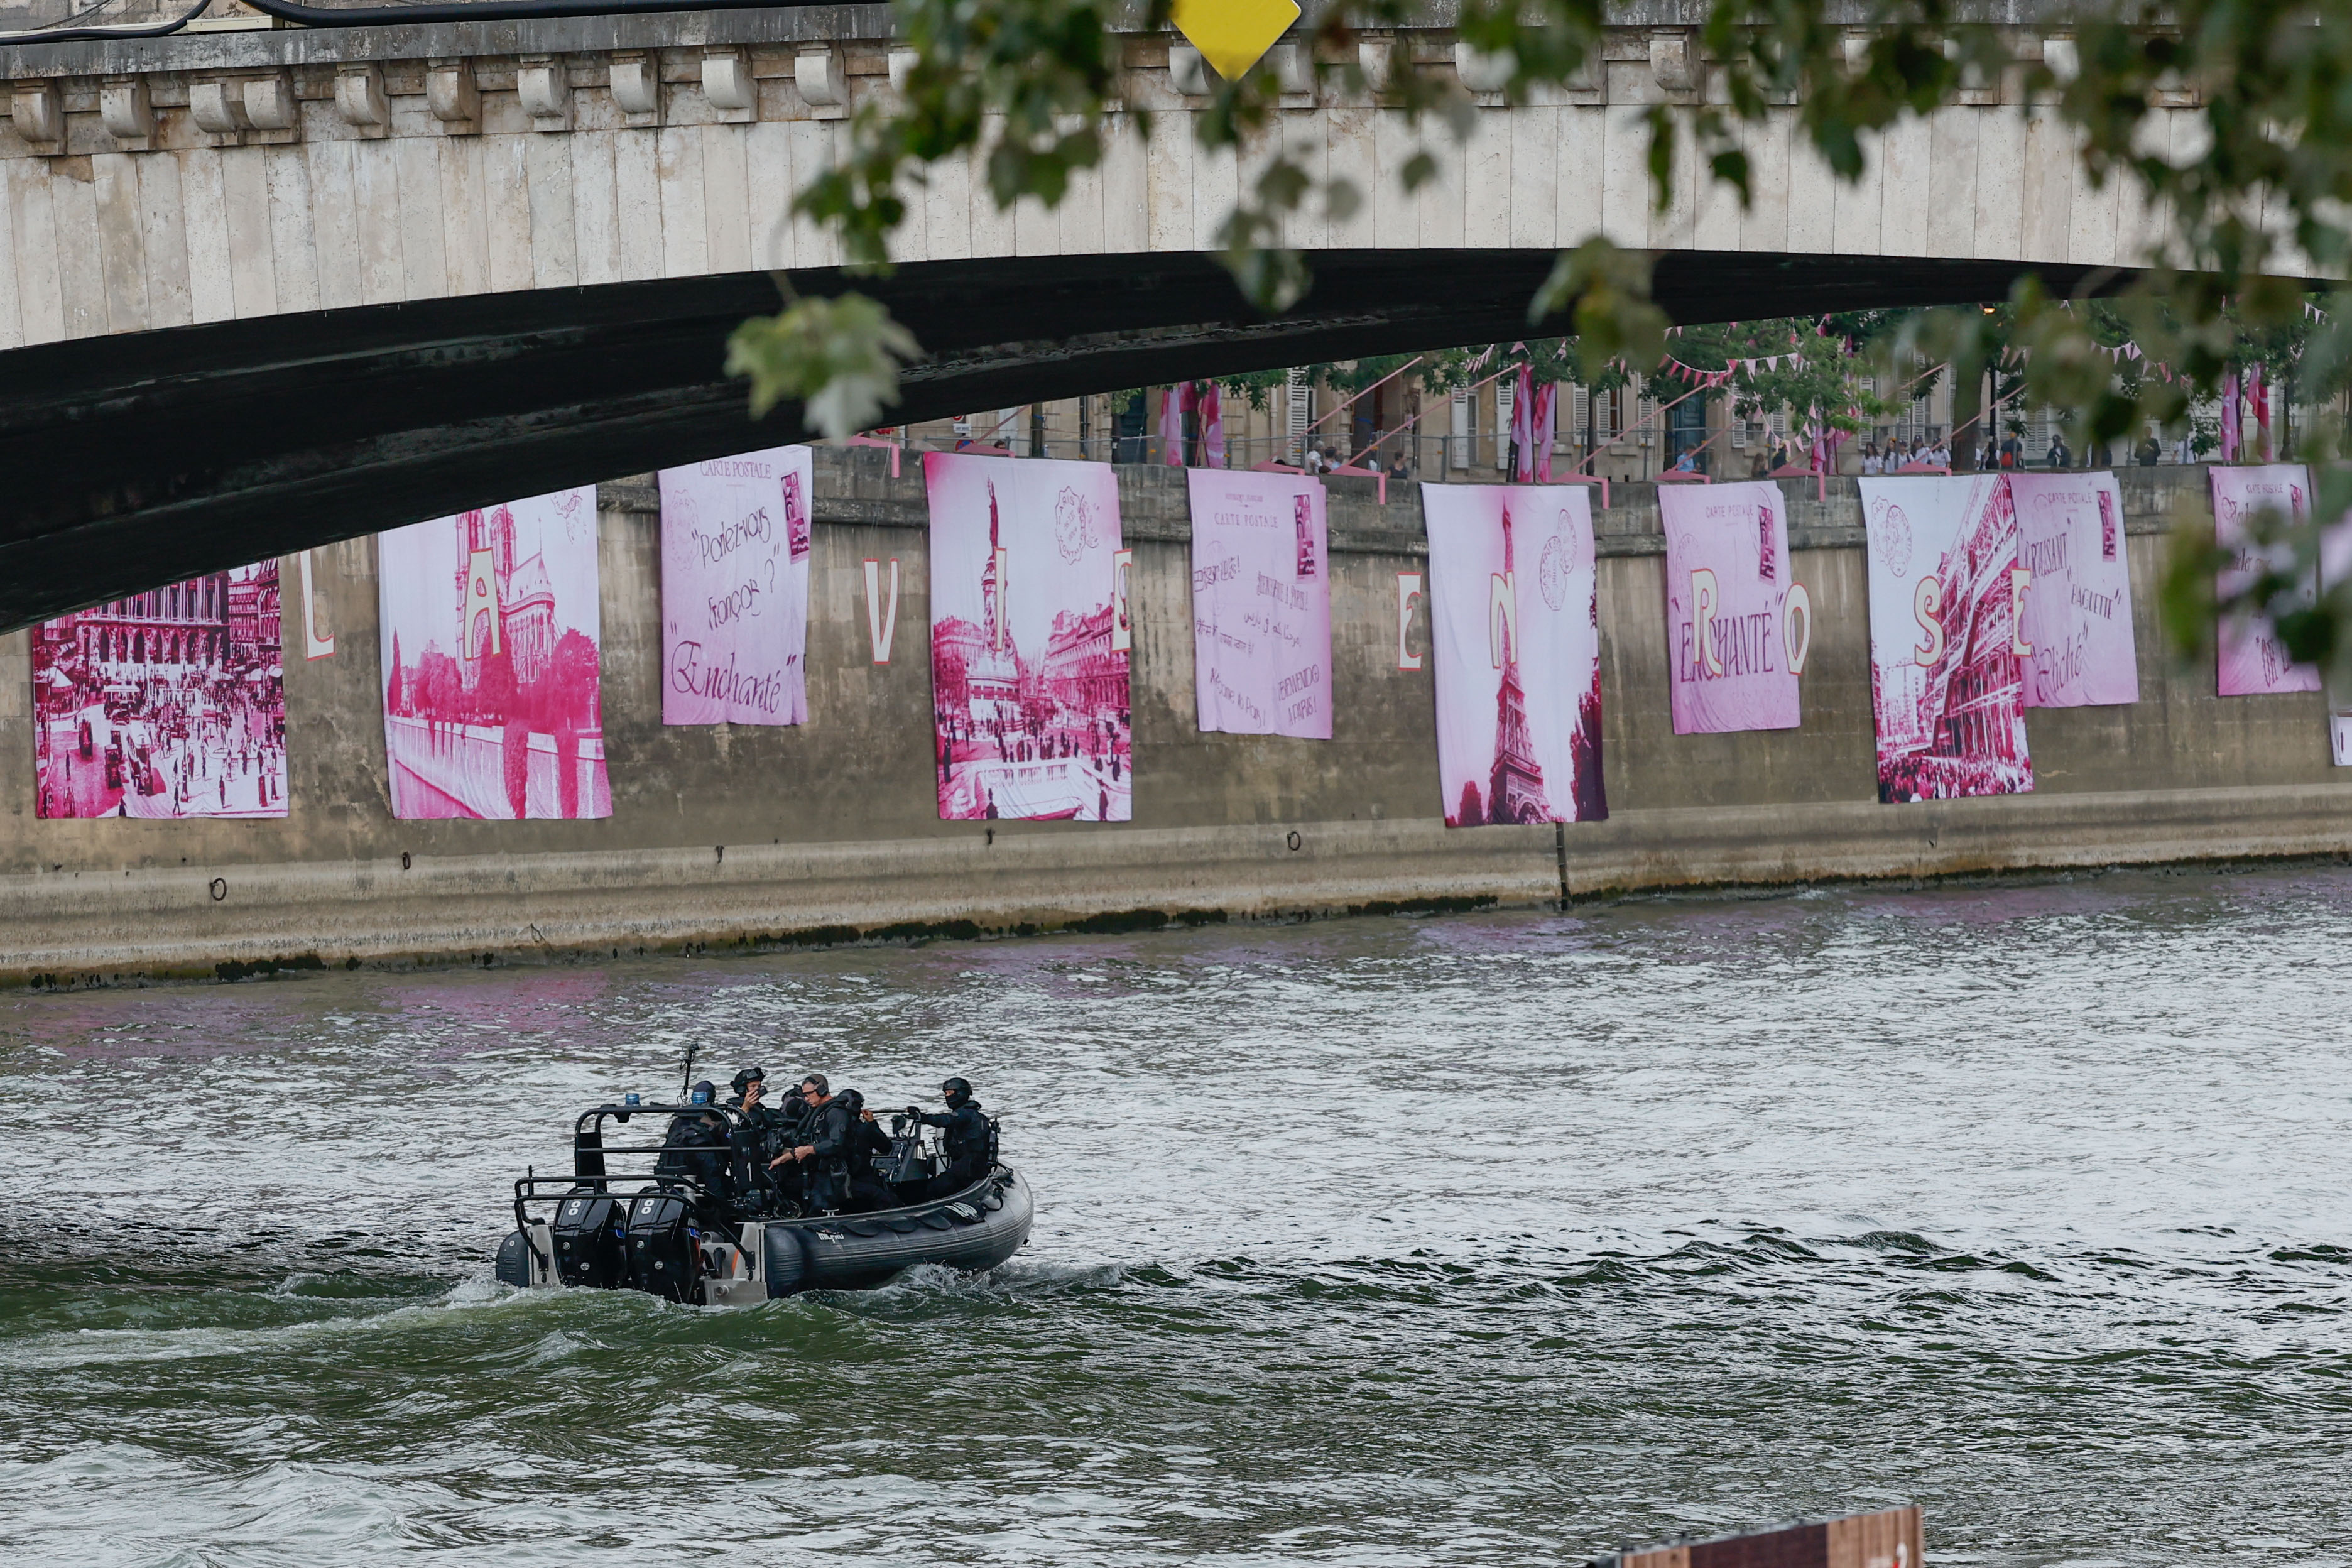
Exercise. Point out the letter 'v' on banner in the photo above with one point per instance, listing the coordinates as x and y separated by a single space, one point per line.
881 609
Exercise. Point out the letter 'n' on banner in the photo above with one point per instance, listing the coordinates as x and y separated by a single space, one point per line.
881 609
1408 596
1122 620
318 631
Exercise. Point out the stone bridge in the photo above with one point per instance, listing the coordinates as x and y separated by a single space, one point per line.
260 289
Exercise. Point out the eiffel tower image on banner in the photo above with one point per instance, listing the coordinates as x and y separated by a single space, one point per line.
1516 788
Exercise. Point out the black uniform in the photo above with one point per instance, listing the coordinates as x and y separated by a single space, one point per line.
967 1147
845 1145
697 1149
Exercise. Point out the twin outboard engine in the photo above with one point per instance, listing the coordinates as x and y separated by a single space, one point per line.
663 1257
588 1241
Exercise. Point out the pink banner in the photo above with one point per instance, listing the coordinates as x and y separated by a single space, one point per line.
1727 632
1261 605
1946 671
2078 610
170 703
1515 623
2251 663
1030 638
490 643
735 580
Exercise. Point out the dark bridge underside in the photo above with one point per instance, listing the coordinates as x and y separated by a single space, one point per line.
148 457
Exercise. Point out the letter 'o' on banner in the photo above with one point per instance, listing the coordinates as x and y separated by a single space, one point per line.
1947 683
2252 661
2073 582
1728 582
492 701
1261 604
736 541
169 703
1515 628
1029 657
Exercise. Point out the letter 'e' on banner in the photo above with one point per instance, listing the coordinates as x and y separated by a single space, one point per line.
1515 629
1730 600
1947 683
1261 604
736 538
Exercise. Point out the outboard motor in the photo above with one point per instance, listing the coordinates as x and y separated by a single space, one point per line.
663 1257
588 1244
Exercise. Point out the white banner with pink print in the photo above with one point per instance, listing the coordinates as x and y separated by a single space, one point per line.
1261 604
734 588
1735 643
2251 662
492 704
169 703
1947 664
1030 639
1515 625
2078 610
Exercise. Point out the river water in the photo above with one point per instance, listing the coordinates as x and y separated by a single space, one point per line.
1479 1239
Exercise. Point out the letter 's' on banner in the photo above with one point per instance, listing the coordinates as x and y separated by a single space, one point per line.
492 704
1029 662
168 703
1515 625
2252 663
2078 615
1261 604
1947 645
1728 580
735 581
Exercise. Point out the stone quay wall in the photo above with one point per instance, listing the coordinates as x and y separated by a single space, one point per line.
829 831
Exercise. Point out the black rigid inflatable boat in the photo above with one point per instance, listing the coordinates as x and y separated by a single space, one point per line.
724 1241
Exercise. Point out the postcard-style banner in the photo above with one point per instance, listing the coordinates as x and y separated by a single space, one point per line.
735 583
1030 638
1947 665
1261 604
1728 580
2078 608
168 703
2251 663
492 702
1514 624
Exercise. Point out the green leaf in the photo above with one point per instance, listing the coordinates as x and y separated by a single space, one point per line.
837 357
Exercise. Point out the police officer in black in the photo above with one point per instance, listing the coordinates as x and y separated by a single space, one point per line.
695 1147
764 1132
968 1138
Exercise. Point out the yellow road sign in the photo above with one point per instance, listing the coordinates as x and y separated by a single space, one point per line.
1233 35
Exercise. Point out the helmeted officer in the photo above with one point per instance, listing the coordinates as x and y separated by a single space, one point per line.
695 1147
968 1138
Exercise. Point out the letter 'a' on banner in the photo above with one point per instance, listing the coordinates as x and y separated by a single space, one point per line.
2252 661
1261 604
492 701
1728 580
735 585
1029 683
1514 626
1946 648
170 703
2077 595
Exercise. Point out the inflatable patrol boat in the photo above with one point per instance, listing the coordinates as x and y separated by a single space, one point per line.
713 1235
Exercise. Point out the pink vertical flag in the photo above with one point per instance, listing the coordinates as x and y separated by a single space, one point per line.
2229 416
1543 423
2258 394
1523 408
1172 409
1213 425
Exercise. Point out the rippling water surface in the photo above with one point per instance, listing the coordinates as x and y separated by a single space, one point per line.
1498 1239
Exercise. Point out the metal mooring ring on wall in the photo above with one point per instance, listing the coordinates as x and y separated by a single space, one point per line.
1295 840
219 889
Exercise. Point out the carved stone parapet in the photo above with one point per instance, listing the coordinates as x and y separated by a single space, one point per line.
359 97
452 94
545 89
127 108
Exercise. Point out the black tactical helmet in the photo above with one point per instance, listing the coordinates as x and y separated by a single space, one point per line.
746 1079
703 1093
958 1091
